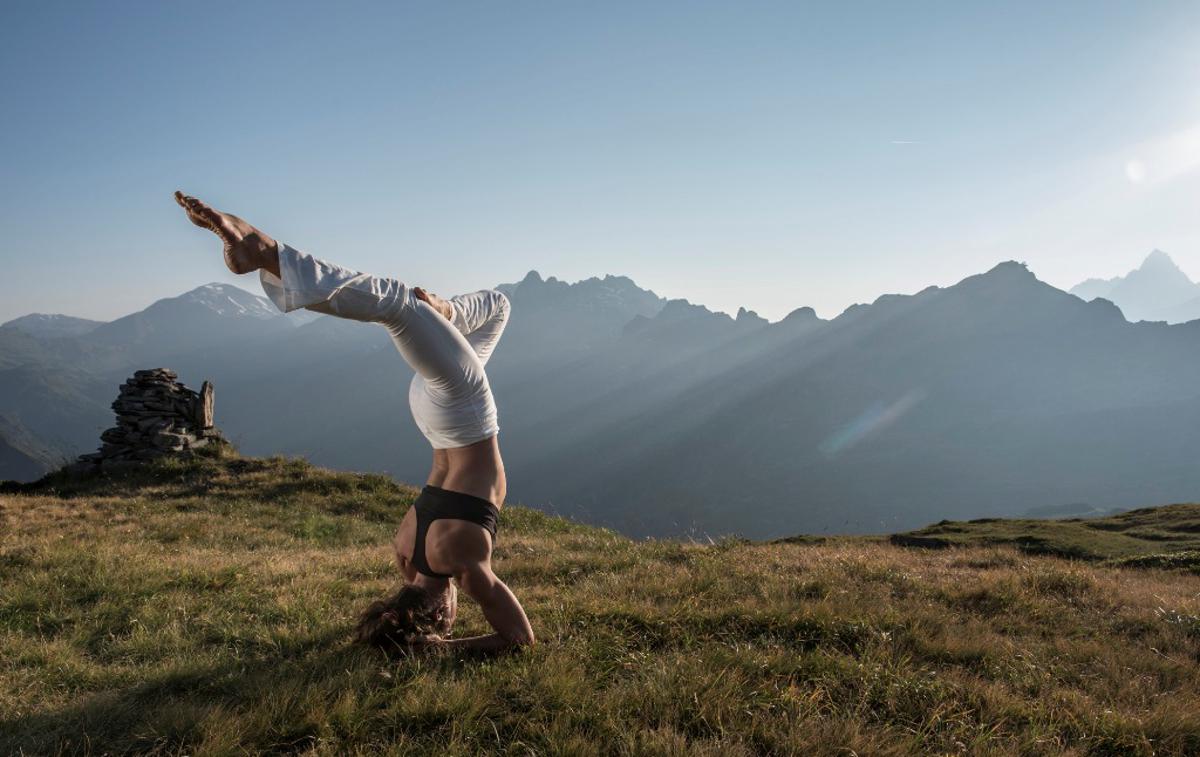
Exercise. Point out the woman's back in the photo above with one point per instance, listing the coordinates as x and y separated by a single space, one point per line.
476 469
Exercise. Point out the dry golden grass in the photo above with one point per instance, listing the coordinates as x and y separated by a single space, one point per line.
204 608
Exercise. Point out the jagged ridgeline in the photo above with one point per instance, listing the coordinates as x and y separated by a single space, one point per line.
156 416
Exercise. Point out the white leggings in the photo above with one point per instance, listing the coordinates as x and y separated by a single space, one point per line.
450 398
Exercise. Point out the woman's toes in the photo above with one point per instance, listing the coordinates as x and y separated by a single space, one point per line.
187 203
195 205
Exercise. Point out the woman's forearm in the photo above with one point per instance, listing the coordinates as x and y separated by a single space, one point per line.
491 642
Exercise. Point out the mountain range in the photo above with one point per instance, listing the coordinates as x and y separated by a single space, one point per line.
994 396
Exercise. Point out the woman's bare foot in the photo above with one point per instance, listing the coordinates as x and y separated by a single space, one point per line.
246 248
438 304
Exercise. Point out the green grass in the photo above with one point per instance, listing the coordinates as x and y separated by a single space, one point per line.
205 607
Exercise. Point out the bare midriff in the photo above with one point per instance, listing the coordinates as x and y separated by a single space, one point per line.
476 469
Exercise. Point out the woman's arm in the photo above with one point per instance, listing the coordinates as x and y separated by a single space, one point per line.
492 642
402 561
500 607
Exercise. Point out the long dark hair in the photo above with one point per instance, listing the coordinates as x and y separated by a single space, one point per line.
394 622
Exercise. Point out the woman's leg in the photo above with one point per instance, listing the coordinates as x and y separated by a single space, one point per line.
450 398
481 317
427 341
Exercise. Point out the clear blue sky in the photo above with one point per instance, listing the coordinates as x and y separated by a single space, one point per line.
769 155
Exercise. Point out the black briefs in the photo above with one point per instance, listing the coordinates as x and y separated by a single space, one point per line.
434 503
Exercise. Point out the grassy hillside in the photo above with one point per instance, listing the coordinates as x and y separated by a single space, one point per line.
204 608
1162 536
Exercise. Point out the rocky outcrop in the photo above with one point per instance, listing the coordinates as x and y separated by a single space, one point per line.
156 416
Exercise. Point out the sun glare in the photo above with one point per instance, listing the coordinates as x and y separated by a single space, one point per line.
1136 171
1165 158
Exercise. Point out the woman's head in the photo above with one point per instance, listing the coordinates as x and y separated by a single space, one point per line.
409 614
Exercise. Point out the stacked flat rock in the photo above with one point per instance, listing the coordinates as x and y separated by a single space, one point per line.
156 416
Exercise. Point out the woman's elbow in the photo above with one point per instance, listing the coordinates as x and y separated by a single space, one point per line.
515 638
523 639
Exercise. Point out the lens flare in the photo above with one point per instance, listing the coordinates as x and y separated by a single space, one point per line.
871 421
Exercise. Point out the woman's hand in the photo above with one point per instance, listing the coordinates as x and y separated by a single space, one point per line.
427 643
437 303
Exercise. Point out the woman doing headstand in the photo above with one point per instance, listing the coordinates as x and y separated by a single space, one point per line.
450 529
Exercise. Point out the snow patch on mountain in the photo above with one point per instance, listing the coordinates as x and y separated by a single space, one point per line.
226 299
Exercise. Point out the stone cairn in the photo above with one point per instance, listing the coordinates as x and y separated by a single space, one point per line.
156 416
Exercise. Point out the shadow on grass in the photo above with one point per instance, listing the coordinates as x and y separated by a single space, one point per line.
179 708
314 690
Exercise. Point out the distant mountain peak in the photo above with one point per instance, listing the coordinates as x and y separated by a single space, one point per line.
1011 269
51 325
1157 290
801 315
220 288
1160 261
1009 275
749 317
35 318
681 308
227 299
617 294
622 280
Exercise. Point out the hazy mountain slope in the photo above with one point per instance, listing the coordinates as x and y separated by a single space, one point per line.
952 402
64 409
1189 310
17 464
49 347
22 456
19 348
612 391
